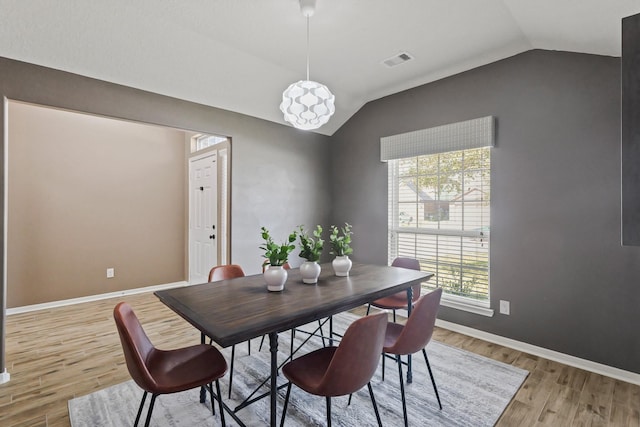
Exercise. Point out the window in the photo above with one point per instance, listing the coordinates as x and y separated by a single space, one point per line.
200 142
439 205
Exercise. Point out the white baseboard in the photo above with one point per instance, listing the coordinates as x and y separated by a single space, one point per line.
587 365
62 303
4 377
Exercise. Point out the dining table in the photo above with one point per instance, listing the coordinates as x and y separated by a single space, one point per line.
235 310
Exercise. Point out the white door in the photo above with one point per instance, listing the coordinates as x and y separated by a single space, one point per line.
202 217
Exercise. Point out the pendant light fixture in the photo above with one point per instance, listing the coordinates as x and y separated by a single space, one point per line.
307 104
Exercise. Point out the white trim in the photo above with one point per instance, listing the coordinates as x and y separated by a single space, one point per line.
465 306
461 303
587 365
5 246
62 303
5 377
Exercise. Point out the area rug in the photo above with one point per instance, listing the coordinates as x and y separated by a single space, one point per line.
474 391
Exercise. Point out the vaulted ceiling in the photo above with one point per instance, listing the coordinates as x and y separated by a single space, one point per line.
240 55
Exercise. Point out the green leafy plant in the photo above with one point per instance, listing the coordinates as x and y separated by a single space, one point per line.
341 244
276 255
311 246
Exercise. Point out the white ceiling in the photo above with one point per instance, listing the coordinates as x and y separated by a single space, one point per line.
240 55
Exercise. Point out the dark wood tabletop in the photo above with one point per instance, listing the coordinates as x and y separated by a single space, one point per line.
232 311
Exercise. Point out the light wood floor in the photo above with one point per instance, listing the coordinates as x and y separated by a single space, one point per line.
55 355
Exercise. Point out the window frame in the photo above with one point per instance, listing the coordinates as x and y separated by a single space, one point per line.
472 134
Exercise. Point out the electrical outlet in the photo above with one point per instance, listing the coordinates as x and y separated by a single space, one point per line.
504 307
110 273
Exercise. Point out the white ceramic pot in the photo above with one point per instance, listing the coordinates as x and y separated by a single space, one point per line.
310 271
341 265
275 276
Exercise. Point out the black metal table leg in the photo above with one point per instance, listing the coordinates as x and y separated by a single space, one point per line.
330 331
273 343
409 307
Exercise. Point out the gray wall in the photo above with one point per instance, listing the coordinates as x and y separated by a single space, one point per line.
278 173
555 232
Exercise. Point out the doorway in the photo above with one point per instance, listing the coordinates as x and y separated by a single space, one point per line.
208 205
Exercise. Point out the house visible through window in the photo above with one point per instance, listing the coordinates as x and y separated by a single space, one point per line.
439 206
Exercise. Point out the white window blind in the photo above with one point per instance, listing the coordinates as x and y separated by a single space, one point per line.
439 204
452 137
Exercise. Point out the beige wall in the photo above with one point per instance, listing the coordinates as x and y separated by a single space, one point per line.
87 193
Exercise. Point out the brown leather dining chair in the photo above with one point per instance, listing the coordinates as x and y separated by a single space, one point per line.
224 272
166 371
338 371
399 300
401 340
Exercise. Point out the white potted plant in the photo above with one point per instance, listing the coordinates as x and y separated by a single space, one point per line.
310 249
341 248
276 256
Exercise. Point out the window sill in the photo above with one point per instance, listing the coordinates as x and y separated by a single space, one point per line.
459 304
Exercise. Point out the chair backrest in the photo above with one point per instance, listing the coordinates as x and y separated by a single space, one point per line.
136 346
224 272
412 264
266 265
356 358
418 330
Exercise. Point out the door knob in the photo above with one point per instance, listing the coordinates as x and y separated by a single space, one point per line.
213 236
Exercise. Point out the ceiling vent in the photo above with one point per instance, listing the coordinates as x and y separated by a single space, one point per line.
398 59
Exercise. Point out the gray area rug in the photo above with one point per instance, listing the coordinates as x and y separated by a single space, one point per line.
474 391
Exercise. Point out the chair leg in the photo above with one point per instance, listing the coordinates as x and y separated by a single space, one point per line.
394 315
368 309
213 407
249 347
328 411
219 403
153 400
375 406
404 402
383 365
286 403
233 357
144 397
261 342
433 381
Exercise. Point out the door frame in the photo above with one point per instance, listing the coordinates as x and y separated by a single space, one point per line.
223 202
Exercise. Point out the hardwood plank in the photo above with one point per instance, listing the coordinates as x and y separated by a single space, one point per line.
595 401
622 415
625 393
535 391
518 413
560 407
572 377
526 361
